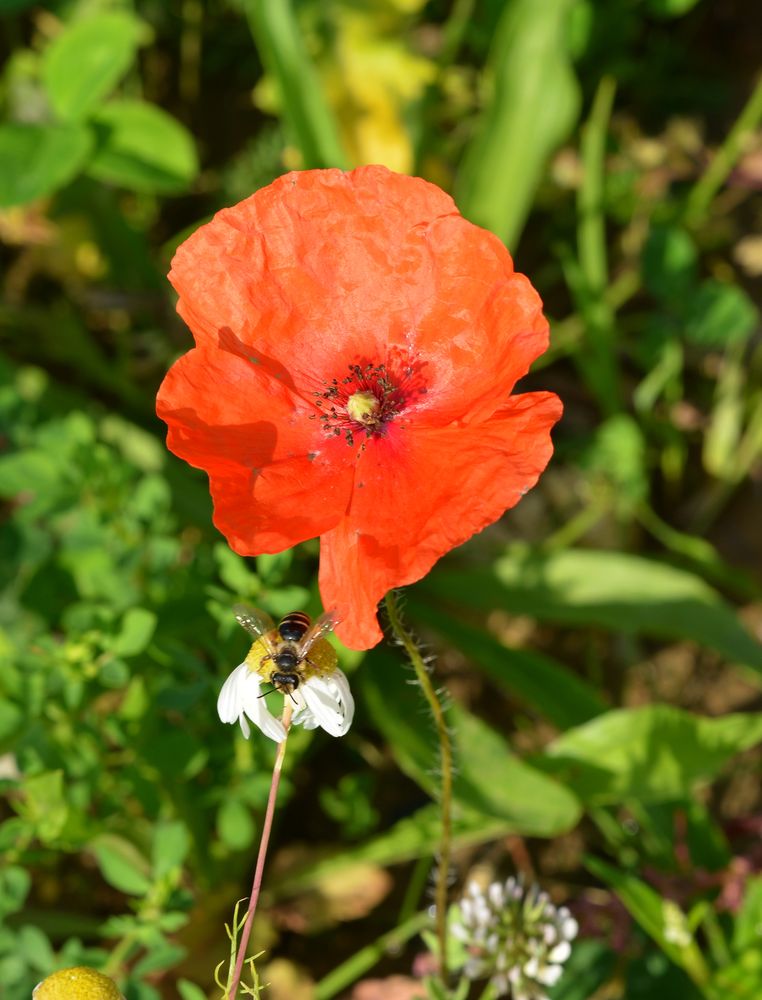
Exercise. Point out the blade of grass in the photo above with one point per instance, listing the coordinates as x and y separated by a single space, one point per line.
597 363
281 48
351 970
533 107
705 189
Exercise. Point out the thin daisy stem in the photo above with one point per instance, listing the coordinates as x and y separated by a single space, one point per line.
258 871
445 755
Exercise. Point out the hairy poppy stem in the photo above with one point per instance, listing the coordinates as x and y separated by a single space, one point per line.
261 856
445 754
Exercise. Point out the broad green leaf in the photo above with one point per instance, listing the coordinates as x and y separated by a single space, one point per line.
669 263
171 843
36 160
415 836
534 104
138 626
613 590
87 60
121 864
618 455
489 779
651 754
720 314
539 681
142 148
661 919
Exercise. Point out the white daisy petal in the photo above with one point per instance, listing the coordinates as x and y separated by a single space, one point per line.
346 700
257 710
322 700
229 701
245 727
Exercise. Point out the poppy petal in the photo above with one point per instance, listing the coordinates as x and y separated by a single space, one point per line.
476 325
275 477
396 530
300 274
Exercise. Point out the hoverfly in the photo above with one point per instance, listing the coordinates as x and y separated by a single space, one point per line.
291 652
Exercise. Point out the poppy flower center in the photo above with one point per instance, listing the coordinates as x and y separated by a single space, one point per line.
364 400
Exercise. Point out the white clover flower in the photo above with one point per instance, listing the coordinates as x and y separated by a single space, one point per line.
515 937
320 700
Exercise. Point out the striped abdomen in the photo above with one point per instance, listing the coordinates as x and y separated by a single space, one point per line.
294 626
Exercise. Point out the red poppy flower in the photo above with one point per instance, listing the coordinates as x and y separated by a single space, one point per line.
356 344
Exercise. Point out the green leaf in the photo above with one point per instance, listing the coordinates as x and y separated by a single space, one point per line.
618 455
189 990
87 60
15 883
142 148
121 864
590 965
534 104
613 590
36 160
44 805
669 263
138 626
11 719
489 779
719 315
747 932
655 753
171 843
661 919
539 681
410 838
235 825
281 48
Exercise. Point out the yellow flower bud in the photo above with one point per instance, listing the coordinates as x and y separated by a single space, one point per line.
79 983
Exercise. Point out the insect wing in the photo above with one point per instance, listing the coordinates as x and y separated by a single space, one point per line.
257 623
326 623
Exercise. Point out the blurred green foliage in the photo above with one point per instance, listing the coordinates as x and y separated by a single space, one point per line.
614 151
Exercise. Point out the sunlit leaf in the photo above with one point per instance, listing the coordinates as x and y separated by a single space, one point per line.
538 680
121 864
142 148
662 919
613 590
649 754
87 60
488 777
36 160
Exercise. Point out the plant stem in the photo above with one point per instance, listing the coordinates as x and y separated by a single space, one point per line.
724 160
351 970
263 842
598 359
445 755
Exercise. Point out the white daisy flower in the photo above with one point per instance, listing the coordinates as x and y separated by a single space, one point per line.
320 700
